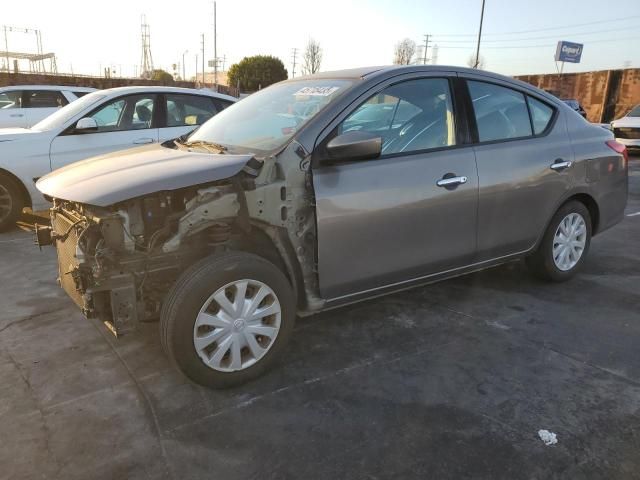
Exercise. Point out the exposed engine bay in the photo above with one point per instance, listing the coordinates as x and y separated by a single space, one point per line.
118 262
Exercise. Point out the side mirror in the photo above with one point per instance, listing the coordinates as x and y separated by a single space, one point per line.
86 125
354 145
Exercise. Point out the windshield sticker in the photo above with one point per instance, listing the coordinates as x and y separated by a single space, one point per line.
316 91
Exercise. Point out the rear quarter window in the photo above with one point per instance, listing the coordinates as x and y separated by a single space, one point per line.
541 115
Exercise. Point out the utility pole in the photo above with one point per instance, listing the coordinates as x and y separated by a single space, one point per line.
215 50
295 55
184 77
426 46
479 37
203 59
196 71
6 48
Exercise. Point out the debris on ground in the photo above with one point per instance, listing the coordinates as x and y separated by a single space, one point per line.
549 438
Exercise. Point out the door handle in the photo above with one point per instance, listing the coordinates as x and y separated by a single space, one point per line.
142 141
451 181
559 165
17 115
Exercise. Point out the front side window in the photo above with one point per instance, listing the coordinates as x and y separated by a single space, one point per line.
541 114
9 100
501 113
266 120
187 110
134 112
410 116
44 99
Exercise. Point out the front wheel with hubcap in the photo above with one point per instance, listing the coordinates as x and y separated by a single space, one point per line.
227 318
11 202
564 245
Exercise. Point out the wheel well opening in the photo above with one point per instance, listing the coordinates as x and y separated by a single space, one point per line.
261 244
23 189
592 206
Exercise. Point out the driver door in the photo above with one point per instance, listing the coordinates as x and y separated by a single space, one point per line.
392 219
124 122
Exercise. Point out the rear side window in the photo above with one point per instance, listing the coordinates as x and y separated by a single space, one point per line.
541 114
44 99
11 99
187 110
501 113
80 94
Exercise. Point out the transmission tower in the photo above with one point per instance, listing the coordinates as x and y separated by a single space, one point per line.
146 60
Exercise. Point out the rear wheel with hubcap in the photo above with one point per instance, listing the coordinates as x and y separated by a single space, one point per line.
564 245
227 318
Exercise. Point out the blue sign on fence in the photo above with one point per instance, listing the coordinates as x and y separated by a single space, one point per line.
569 52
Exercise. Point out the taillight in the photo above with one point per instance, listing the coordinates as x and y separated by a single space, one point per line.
621 149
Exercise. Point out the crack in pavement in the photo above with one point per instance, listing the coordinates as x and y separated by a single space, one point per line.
45 427
30 317
310 381
147 402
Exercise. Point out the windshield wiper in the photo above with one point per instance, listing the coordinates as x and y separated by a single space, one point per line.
209 146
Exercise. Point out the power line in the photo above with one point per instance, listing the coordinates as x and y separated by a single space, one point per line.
541 29
546 37
537 46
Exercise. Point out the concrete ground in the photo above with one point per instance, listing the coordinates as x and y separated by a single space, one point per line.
449 381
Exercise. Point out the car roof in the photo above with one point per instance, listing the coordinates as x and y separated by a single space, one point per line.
160 89
365 73
9 88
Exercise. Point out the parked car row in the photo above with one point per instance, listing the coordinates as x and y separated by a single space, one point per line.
24 106
100 122
312 193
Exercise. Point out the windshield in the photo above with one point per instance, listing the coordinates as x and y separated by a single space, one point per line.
267 119
64 114
635 112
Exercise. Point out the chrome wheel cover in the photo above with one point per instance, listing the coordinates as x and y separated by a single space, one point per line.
237 325
569 241
6 203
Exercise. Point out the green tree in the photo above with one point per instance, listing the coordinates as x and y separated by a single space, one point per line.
160 75
259 71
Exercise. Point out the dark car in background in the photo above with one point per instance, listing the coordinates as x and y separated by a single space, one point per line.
391 177
576 106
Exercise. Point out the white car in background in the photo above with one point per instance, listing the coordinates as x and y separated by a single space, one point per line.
627 129
100 122
25 105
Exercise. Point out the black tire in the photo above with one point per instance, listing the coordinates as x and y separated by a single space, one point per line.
9 187
541 263
189 294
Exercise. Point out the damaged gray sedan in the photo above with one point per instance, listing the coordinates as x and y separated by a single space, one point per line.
322 191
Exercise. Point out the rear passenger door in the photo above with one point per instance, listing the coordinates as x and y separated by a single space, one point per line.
184 113
39 104
519 138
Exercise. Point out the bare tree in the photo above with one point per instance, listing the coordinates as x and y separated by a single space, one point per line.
479 64
404 52
312 58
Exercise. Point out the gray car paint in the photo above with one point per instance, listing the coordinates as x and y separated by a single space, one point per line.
361 250
427 223
119 176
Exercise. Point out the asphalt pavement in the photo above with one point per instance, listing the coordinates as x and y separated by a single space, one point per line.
452 380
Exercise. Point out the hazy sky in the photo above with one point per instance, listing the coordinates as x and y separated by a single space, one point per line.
519 36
